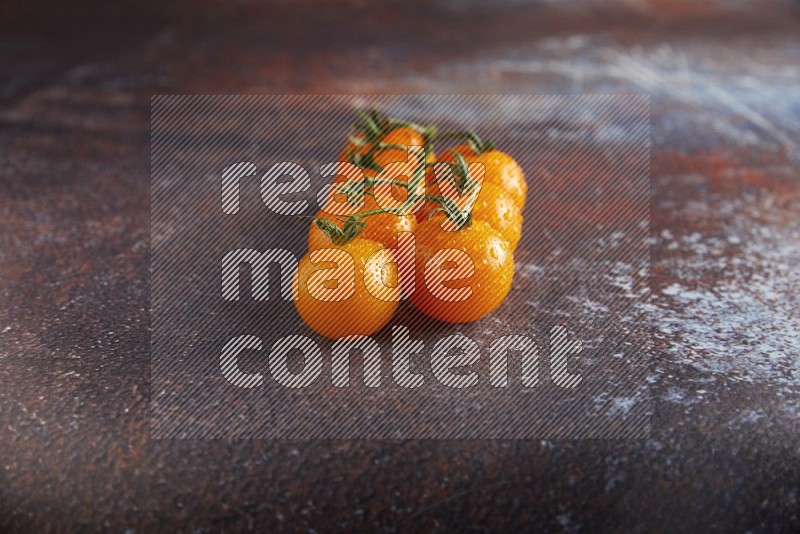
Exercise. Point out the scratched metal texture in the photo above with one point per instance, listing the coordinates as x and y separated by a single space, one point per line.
724 78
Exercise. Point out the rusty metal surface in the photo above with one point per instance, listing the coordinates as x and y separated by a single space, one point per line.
74 327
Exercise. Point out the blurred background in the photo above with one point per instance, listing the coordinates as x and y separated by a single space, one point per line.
77 78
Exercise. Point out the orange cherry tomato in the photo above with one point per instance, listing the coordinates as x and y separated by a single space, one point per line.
336 297
462 275
501 170
493 205
403 136
382 227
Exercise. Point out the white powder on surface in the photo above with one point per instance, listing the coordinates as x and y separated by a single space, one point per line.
730 304
746 324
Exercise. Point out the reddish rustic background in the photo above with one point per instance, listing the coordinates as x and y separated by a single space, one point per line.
74 209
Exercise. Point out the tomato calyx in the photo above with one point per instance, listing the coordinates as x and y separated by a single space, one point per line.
352 228
460 218
364 161
463 179
465 184
371 126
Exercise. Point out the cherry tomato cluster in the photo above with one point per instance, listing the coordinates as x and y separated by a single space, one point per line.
397 220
